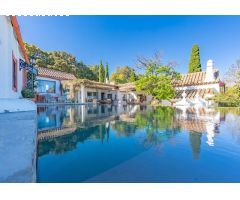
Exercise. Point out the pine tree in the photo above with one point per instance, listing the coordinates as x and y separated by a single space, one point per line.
106 73
194 63
101 73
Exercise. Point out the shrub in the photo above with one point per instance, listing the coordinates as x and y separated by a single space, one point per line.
231 98
27 93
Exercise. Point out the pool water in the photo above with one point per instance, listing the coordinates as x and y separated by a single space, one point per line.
137 144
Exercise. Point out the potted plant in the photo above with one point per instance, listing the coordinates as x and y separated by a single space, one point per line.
28 94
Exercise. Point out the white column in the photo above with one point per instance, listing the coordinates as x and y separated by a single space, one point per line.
83 113
83 96
71 114
133 95
71 92
78 96
99 94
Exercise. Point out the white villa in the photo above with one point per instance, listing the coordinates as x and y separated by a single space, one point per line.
195 89
49 83
12 78
84 91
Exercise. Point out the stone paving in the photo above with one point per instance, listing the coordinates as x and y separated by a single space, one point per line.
18 146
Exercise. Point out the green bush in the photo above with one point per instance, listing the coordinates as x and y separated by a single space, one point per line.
231 98
27 93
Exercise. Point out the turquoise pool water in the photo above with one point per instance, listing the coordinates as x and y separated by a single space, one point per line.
137 144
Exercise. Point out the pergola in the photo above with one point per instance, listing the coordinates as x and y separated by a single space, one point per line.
79 84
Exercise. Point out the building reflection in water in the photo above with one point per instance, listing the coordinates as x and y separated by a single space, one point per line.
60 128
199 121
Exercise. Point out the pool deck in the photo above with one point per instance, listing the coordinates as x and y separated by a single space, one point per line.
18 146
16 105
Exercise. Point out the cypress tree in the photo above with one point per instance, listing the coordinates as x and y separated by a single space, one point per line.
106 73
132 77
194 63
101 73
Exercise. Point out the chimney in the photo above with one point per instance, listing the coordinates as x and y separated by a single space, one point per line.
107 81
210 71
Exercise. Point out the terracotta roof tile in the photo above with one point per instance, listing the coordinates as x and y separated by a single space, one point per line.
90 84
98 85
196 78
126 87
54 74
19 36
192 125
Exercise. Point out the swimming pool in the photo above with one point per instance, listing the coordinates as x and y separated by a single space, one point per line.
108 143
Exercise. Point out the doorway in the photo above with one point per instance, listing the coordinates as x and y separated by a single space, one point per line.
109 96
102 96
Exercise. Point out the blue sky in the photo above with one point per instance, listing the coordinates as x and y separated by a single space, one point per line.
118 40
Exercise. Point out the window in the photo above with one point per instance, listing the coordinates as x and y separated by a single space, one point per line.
94 94
14 73
44 86
109 96
89 94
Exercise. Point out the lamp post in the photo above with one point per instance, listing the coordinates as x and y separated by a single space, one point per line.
33 63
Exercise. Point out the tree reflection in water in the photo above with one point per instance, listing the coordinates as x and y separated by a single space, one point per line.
158 124
195 142
151 125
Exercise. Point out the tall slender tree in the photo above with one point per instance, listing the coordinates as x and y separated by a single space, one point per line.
101 73
106 73
133 76
194 63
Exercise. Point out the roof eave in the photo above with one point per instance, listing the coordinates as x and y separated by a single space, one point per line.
19 36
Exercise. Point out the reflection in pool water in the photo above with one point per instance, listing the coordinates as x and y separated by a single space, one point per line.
137 144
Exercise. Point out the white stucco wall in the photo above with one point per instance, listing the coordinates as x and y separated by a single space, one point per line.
214 86
132 95
120 95
57 82
8 45
85 90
